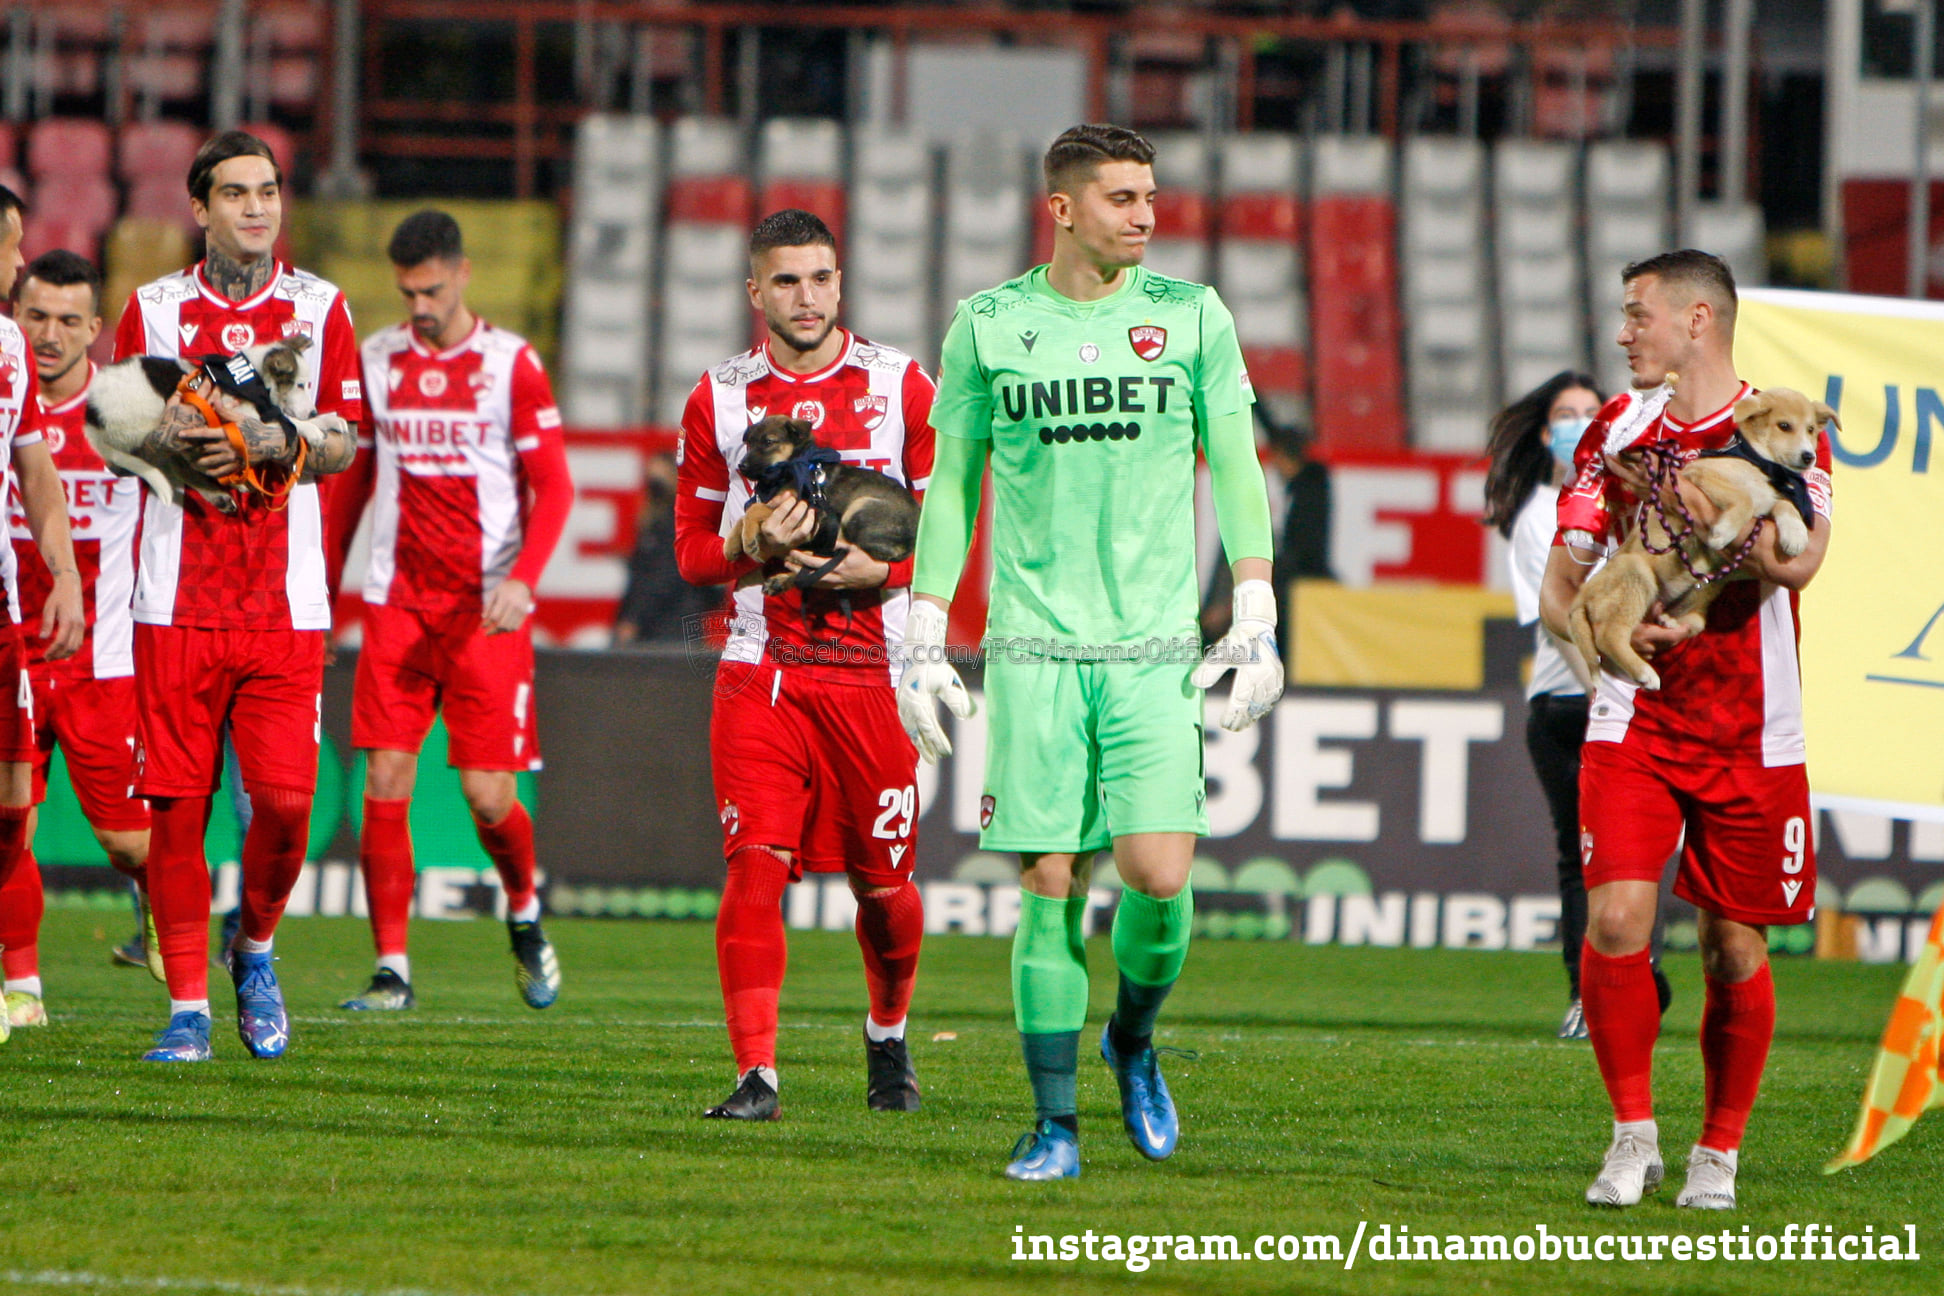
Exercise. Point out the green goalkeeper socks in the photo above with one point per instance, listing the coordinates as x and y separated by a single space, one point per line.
1150 945
1049 975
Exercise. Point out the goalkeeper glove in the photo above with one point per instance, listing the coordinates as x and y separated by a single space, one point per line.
928 675
1249 649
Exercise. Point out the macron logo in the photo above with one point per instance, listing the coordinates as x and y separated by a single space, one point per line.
897 855
1789 890
188 332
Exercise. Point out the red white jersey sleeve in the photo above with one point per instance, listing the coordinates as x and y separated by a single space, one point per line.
103 510
260 568
872 405
20 424
471 485
1731 695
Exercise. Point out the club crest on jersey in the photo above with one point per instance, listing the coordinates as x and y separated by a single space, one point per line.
292 327
732 818
56 437
238 335
808 411
9 376
871 409
1148 340
986 806
432 382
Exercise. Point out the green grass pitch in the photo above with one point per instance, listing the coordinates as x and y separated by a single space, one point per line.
475 1146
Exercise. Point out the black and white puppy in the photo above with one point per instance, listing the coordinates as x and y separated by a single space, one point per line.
128 400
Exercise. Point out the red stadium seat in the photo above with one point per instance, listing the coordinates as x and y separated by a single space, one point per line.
281 142
8 145
48 231
87 201
15 181
163 198
824 198
165 76
289 27
1261 216
156 149
709 200
69 146
1359 373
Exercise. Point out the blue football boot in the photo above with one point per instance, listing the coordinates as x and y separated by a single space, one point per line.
260 1017
1147 1112
184 1039
1048 1151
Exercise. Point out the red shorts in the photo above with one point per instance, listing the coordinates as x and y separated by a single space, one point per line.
16 698
267 684
823 770
1749 853
415 664
93 722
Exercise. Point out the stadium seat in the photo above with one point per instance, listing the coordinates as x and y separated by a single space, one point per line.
1737 234
9 145
47 231
801 162
607 327
168 53
704 316
281 142
1535 202
156 148
1446 293
1184 218
1353 293
82 200
1258 261
1628 216
986 236
888 247
165 199
70 146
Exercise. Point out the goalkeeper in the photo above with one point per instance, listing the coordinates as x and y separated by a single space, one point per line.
1087 385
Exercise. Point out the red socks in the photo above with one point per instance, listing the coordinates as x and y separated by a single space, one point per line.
273 854
385 855
890 929
178 879
1737 1023
1623 1019
21 906
751 953
510 843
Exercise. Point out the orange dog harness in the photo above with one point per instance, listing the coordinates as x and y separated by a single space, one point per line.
195 389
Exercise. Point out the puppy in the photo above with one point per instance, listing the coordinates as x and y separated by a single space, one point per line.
1757 475
127 401
855 506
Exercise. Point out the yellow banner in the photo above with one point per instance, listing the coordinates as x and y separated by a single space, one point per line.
1873 620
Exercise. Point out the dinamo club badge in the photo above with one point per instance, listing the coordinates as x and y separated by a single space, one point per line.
1148 340
986 805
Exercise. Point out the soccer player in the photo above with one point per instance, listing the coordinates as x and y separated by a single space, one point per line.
812 770
85 703
231 608
1087 385
30 470
472 493
1712 759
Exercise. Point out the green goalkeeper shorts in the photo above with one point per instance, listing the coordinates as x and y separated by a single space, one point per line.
1081 752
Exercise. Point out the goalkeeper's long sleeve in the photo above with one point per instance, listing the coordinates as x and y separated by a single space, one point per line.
951 511
1241 497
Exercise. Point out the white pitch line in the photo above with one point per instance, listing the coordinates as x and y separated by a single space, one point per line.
69 1278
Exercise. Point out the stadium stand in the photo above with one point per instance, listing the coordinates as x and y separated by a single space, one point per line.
1627 218
1359 374
73 200
606 325
1535 205
887 254
986 208
801 162
1259 260
1184 225
1446 292
1738 233
704 316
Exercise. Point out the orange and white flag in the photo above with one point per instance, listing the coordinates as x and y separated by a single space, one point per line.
1904 1083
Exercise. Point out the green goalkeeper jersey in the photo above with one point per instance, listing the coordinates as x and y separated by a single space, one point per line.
1094 410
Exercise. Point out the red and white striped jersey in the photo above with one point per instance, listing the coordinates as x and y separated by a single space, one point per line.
20 424
872 405
260 568
102 512
460 435
1731 695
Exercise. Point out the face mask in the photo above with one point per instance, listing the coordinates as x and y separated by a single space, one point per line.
1566 433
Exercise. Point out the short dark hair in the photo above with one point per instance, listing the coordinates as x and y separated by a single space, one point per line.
791 227
11 202
1702 273
63 269
1072 159
424 235
229 144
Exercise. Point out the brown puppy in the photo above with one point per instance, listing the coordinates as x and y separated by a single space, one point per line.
855 506
1780 426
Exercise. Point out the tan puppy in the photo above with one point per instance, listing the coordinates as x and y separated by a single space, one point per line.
1780 426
